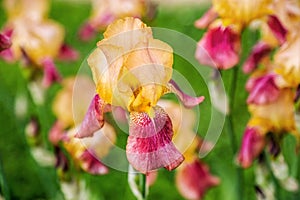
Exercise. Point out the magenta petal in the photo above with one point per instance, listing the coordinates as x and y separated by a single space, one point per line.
187 100
91 164
94 118
252 145
7 55
5 42
86 32
263 90
259 51
277 28
206 19
56 133
219 48
67 53
51 74
193 179
149 144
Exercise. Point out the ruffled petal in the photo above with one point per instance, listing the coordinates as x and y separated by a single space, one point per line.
150 65
193 179
252 145
94 118
206 19
259 51
187 100
127 33
263 90
106 64
91 164
51 73
219 48
149 144
5 42
67 53
288 60
277 28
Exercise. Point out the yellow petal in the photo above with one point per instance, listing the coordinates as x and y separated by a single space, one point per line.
126 33
38 39
32 9
151 64
289 61
276 117
68 106
241 11
106 64
102 141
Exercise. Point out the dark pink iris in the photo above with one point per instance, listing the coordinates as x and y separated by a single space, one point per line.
262 90
219 48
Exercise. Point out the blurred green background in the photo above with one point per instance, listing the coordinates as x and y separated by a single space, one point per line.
21 177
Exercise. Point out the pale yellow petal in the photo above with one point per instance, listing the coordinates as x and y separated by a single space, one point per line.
102 141
32 9
241 11
288 60
39 39
278 116
151 65
126 33
106 64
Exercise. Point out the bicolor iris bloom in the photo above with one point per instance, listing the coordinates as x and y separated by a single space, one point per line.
88 152
226 20
133 70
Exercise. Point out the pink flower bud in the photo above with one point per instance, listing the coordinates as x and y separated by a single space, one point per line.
67 53
193 179
206 19
259 51
252 145
277 28
50 72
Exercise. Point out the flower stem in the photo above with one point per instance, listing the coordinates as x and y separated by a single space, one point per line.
273 178
230 131
142 185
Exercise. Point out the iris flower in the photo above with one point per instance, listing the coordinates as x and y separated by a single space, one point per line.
88 152
193 177
226 20
271 105
35 38
133 70
104 12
